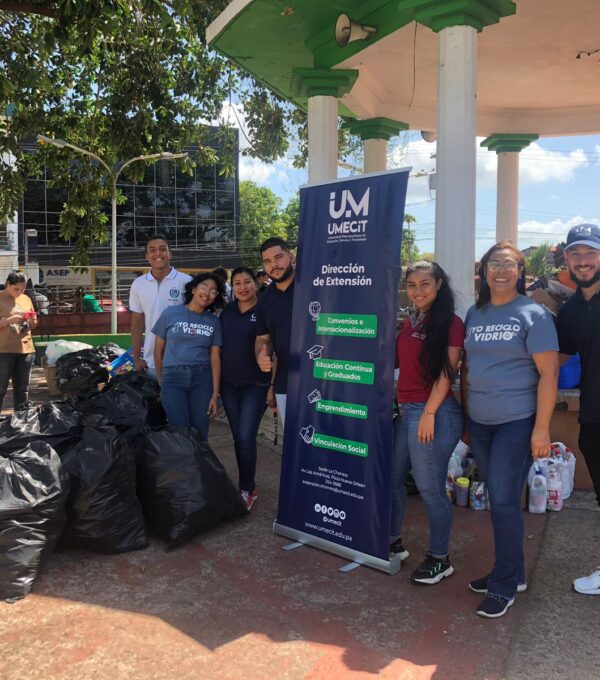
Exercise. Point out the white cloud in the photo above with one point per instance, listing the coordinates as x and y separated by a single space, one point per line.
554 231
255 170
537 164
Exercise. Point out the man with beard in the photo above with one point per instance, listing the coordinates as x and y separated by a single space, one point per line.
578 326
274 319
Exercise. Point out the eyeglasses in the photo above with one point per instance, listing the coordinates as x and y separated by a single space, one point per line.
507 265
206 290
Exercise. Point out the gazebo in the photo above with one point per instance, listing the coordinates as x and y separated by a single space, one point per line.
456 69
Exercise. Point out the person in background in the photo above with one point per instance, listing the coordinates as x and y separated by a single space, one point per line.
187 354
17 319
150 294
578 326
509 377
221 272
263 280
428 349
244 386
274 319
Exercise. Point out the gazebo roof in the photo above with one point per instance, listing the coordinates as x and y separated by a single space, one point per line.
529 77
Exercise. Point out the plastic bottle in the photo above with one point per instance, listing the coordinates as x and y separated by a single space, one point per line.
538 493
477 496
462 491
554 495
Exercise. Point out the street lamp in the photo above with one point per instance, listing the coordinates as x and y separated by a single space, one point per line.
113 176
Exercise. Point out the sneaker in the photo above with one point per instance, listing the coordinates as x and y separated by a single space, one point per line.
432 570
396 548
479 585
494 606
249 498
588 585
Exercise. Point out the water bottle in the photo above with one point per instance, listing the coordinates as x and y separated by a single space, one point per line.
538 493
554 493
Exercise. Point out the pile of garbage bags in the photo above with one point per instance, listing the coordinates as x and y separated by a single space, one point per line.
102 471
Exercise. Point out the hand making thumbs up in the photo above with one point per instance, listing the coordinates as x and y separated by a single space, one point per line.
264 360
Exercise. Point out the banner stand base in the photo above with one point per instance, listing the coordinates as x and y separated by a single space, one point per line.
388 566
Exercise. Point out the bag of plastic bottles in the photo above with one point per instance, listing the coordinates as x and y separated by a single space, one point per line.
103 510
33 491
183 487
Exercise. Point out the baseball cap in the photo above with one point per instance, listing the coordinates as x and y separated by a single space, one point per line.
584 235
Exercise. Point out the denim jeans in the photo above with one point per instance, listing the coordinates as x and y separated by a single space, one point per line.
18 367
185 393
503 455
244 404
429 463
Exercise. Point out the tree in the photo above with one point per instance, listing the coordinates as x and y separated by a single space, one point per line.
260 218
537 263
119 78
291 219
410 251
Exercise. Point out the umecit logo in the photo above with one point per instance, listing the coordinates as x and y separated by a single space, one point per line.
351 228
329 511
174 293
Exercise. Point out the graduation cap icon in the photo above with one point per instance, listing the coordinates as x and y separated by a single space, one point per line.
315 352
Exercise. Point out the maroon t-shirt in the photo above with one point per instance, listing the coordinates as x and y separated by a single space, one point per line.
409 343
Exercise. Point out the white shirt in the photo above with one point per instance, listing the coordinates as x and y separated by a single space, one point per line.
150 297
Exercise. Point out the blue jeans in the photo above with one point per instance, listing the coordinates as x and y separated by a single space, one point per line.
429 463
185 393
503 455
15 367
244 404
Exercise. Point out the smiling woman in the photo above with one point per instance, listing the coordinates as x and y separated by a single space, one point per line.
187 354
508 380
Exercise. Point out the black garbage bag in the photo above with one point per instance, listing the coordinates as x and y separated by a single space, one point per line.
129 402
183 486
33 491
87 367
103 511
55 422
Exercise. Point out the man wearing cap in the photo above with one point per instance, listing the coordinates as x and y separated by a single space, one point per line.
578 326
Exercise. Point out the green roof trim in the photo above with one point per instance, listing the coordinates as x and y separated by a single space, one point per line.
505 142
270 44
375 128
328 82
440 14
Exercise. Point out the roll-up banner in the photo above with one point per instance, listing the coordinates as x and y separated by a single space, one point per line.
335 490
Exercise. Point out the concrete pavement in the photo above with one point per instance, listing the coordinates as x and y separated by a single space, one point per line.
233 604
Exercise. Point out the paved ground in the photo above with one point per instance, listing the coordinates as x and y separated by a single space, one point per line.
233 605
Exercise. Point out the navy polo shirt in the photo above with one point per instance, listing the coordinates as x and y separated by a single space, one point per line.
274 318
578 326
239 335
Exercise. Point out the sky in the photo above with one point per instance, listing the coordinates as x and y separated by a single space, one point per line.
559 185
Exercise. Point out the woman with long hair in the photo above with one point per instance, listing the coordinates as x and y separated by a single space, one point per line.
428 349
187 354
508 380
17 318
244 386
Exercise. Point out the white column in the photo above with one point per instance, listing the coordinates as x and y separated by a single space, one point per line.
375 155
322 138
455 197
507 200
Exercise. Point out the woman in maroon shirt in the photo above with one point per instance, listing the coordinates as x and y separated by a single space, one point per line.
428 349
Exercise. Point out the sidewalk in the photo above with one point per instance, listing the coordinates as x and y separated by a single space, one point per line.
233 604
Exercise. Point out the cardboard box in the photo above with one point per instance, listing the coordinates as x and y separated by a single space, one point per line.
50 374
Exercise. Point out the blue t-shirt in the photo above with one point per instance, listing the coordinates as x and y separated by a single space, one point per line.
502 377
188 335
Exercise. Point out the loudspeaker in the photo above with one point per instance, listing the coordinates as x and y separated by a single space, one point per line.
347 31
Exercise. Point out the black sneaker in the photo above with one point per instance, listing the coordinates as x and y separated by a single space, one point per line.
480 585
396 548
432 570
494 606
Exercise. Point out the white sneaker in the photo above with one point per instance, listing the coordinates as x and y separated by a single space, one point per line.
588 585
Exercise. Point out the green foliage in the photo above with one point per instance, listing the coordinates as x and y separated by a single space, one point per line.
537 263
409 251
120 78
